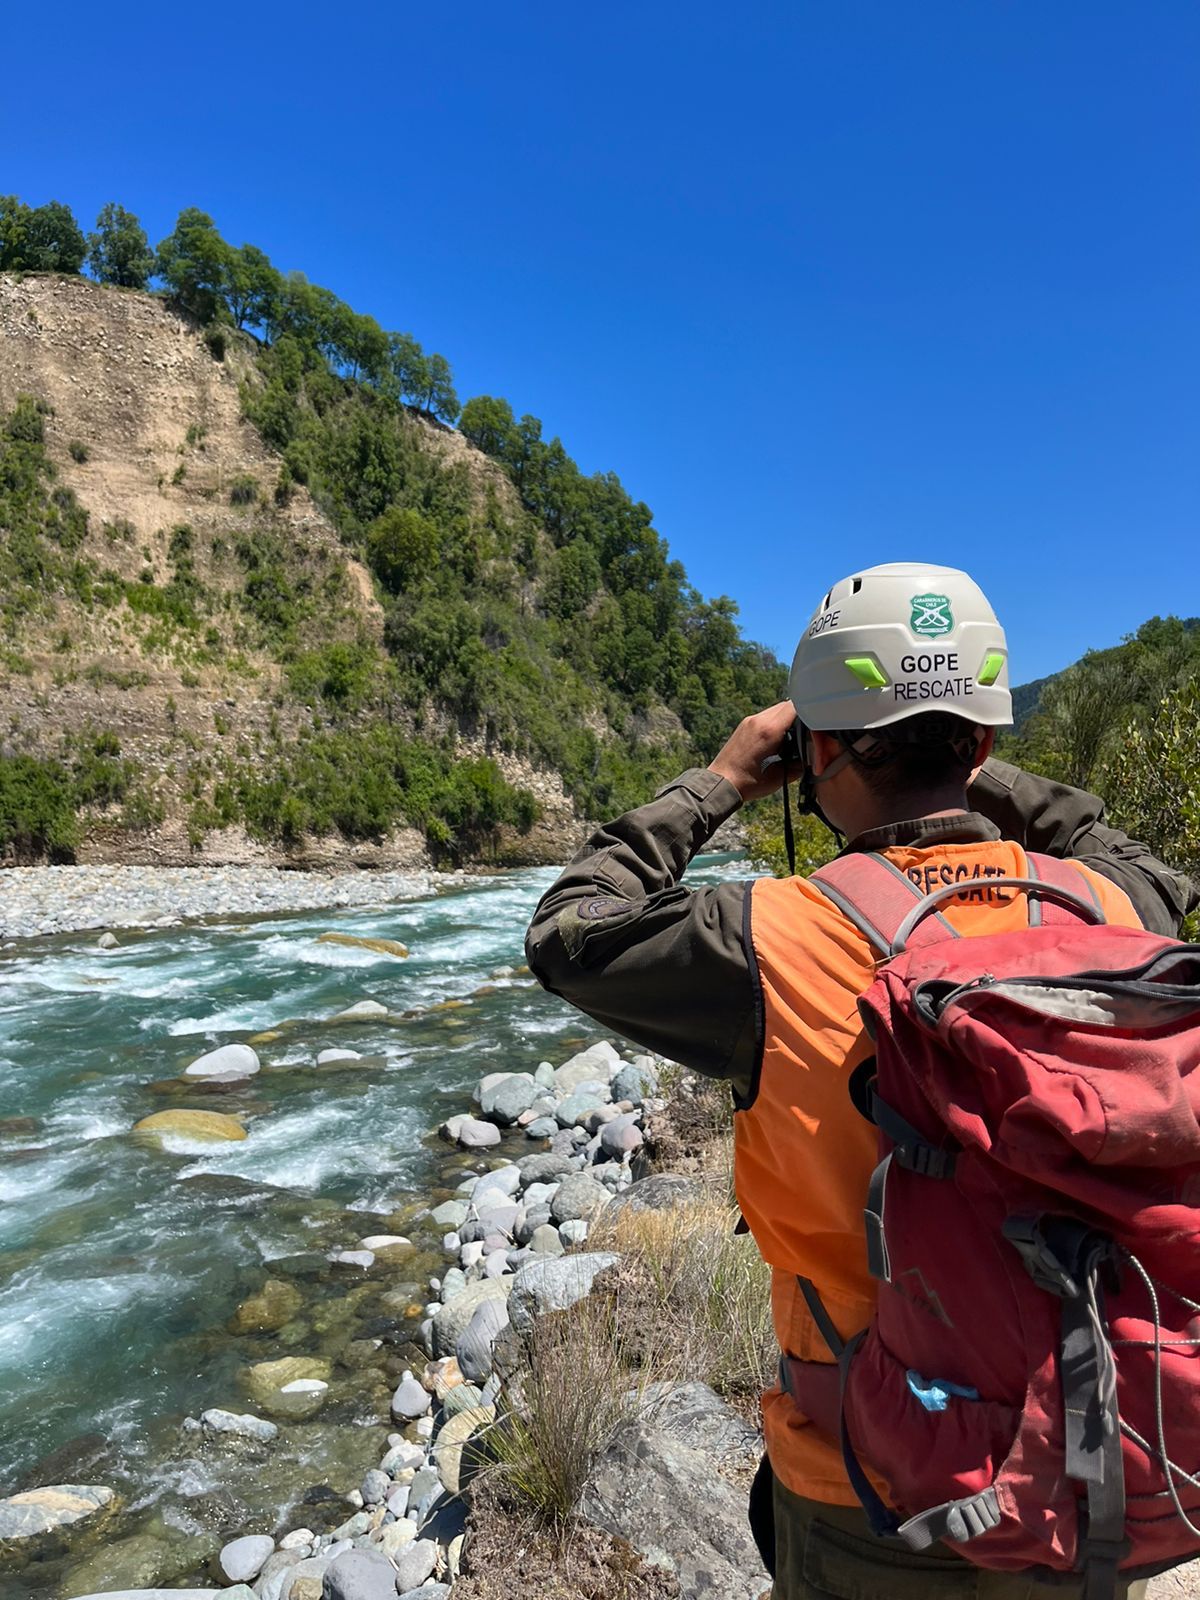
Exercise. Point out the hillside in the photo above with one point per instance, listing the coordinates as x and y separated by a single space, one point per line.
250 608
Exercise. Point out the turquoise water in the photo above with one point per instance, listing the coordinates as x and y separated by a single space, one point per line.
120 1263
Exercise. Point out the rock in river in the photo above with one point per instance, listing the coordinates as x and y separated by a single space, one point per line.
209 1126
275 1304
226 1065
361 1575
274 1385
35 1511
381 947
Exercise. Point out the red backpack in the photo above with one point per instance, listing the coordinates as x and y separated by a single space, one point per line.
1030 1383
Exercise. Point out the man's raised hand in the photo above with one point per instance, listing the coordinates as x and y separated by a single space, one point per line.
753 742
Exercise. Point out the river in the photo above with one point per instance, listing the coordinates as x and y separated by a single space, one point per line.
121 1263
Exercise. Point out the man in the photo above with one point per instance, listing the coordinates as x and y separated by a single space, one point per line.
896 691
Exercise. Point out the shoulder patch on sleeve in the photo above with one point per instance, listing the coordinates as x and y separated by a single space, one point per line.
600 906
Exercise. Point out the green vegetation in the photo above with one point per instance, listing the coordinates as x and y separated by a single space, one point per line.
39 238
536 608
362 784
41 798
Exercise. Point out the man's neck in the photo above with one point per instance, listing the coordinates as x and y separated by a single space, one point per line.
873 812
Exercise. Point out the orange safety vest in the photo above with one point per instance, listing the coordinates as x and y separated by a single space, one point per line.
803 1156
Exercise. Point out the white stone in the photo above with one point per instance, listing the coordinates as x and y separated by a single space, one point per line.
243 1559
409 1400
226 1065
326 1056
304 1386
353 1258
383 1241
362 1008
297 1539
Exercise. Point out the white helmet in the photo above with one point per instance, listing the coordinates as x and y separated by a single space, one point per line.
894 641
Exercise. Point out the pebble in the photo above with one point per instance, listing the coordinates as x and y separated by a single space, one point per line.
409 1400
49 900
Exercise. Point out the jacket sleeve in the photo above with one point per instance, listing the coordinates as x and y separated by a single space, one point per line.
619 937
1057 820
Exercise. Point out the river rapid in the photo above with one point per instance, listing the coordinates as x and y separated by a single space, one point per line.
122 1262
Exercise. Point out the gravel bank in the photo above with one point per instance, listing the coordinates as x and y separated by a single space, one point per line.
35 901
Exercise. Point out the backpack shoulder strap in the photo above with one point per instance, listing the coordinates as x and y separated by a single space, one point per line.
1059 875
877 897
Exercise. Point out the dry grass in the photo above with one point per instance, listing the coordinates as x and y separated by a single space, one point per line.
566 1407
695 1298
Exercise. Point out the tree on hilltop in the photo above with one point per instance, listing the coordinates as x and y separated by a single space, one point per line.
119 251
193 263
39 238
251 286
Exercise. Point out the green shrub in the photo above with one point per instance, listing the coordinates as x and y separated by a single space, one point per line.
79 451
243 491
37 809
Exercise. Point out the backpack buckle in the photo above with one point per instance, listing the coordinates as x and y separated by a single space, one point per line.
1042 1260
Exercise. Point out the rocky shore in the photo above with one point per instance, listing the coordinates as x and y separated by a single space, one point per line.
531 1169
36 901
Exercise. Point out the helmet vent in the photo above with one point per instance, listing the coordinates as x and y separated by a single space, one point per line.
856 586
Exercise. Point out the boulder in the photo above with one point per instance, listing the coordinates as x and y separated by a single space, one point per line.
140 1559
427 1591
360 1575
621 1136
413 1566
578 1197
550 1284
360 1009
544 1075
669 1500
305 1581
452 1319
243 1425
544 1168
293 1386
396 1535
325 1057
449 1450
38 1511
380 947
376 1486
599 1061
474 1344
504 1101
580 1103
107 941
241 1560
204 1126
275 1304
226 1065
634 1082
450 1214
661 1191
545 1241
474 1134
502 1181
693 1415
573 1232
541 1128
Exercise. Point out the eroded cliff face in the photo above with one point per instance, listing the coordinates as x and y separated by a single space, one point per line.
145 427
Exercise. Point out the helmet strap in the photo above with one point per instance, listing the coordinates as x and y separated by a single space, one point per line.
807 803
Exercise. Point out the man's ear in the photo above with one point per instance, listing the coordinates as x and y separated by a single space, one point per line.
825 749
986 745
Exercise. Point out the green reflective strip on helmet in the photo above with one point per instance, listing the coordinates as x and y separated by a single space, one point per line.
868 672
993 663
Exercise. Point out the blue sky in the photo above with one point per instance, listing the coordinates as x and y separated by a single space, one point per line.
826 284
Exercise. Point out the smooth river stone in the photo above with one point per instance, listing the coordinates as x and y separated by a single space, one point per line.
211 1126
35 1511
226 1065
243 1559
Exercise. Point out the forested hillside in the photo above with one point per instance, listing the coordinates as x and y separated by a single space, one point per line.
256 584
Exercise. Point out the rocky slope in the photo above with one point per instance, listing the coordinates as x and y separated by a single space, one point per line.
144 425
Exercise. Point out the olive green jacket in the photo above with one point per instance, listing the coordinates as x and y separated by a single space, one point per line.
619 937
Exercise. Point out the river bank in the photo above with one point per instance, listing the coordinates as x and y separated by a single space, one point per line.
372 1330
36 902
